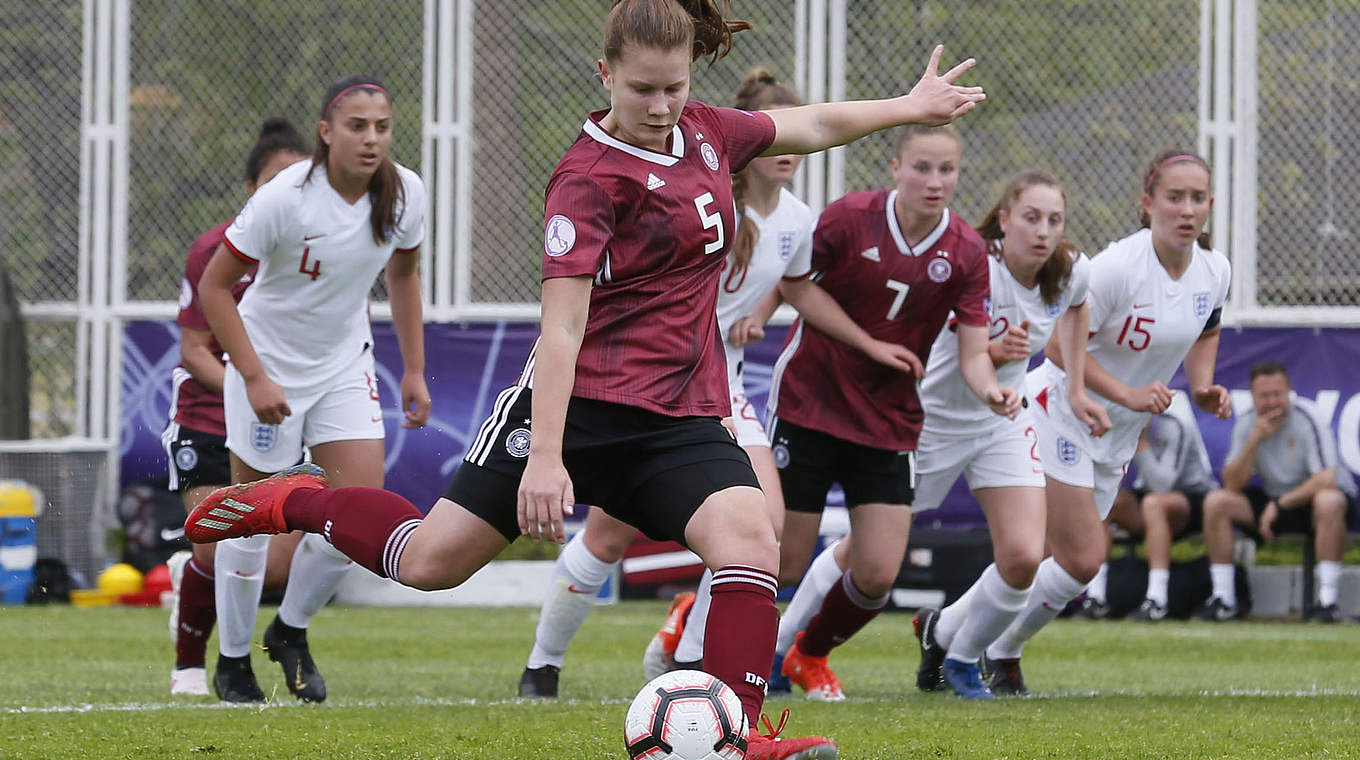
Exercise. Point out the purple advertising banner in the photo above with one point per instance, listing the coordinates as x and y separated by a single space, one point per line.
468 364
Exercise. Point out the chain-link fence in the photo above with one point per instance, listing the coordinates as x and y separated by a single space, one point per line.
1087 90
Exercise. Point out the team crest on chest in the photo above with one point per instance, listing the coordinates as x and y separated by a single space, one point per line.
1055 308
710 156
517 443
559 236
785 245
1201 304
939 269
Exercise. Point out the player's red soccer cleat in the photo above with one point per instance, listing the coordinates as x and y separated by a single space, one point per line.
812 674
771 746
249 509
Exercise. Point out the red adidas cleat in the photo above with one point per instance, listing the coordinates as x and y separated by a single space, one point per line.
249 509
771 746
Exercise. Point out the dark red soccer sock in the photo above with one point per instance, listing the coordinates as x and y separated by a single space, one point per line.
844 611
369 525
739 636
197 613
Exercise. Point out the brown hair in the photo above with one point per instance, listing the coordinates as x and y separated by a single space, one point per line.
1153 174
758 91
1267 367
668 24
1056 272
906 132
385 190
277 135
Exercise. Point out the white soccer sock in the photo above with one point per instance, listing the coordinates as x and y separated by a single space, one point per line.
808 598
993 610
1159 578
316 572
1053 588
1328 582
1224 578
691 646
238 578
1097 588
577 577
952 617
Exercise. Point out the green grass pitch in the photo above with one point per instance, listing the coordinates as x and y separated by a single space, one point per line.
439 683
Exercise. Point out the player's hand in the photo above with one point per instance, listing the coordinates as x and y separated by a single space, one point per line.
1094 416
545 494
1268 517
1214 399
1012 346
745 331
940 100
898 357
1004 401
415 400
267 399
1153 397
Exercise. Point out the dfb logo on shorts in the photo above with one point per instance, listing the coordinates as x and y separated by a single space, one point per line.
517 443
186 458
1068 453
262 436
1202 304
785 245
939 269
710 156
781 456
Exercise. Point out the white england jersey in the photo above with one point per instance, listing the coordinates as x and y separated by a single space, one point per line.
307 313
951 408
783 249
1143 323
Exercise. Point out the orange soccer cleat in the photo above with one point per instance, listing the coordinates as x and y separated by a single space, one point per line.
249 509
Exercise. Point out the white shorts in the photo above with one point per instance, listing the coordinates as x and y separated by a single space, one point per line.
1007 456
347 409
1068 460
750 432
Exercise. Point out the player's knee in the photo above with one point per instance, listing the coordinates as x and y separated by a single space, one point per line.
1218 504
428 573
1017 568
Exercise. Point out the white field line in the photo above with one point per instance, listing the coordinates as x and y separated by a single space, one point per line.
146 707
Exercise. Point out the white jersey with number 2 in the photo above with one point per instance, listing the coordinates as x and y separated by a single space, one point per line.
1143 323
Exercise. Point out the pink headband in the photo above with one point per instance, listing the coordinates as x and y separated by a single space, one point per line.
1174 159
326 114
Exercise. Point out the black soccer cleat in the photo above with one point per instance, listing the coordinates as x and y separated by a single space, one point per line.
539 683
1215 610
1325 614
1093 609
930 673
1148 612
1004 677
288 647
234 681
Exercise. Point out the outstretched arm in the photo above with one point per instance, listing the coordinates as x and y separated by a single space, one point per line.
934 100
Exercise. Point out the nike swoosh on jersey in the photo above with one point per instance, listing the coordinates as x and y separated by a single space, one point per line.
305 238
572 588
1142 305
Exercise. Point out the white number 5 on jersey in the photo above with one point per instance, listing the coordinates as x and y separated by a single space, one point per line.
711 221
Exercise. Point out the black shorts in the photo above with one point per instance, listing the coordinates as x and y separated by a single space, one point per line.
196 458
1297 520
810 461
647 469
1194 523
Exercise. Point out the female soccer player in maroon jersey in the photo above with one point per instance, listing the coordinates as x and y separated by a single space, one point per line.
196 438
898 262
627 383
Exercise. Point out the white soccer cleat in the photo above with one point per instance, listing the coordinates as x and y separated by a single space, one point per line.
176 564
189 681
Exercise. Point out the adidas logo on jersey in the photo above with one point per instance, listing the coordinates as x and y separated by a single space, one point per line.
871 254
653 181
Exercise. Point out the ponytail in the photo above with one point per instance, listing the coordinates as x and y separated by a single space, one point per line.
758 91
1056 272
277 135
700 25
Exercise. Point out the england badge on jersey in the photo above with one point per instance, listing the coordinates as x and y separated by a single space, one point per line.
939 269
262 436
1055 308
785 245
559 236
710 156
1202 304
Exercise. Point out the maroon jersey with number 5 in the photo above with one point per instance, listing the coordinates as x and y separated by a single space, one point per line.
899 293
653 230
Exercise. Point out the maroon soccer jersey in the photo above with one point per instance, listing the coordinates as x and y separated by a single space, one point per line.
197 407
899 293
653 229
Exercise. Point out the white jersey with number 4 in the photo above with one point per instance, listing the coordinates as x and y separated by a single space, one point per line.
307 312
1143 323
951 408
